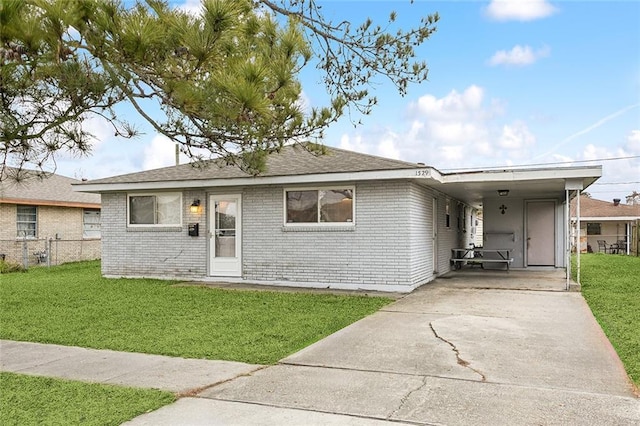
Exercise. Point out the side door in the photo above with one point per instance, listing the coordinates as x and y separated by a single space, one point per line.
541 233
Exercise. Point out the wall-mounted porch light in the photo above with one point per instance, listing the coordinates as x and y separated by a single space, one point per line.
195 206
503 192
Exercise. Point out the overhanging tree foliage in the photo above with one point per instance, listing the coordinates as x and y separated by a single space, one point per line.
225 80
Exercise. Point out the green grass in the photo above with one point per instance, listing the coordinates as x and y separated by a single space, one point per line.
611 286
73 305
30 400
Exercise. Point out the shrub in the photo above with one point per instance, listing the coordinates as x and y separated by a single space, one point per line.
7 267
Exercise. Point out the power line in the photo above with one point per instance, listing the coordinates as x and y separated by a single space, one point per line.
615 183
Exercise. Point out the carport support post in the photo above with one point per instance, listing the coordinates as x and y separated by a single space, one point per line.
573 185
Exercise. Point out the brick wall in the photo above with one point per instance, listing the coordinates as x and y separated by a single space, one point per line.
375 252
63 222
152 252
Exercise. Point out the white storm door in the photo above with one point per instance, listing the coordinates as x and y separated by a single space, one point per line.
541 233
225 235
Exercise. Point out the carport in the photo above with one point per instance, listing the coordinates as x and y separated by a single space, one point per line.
525 210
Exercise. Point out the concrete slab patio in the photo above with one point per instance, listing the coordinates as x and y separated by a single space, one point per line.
455 352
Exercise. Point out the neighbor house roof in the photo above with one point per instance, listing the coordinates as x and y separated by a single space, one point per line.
44 189
592 208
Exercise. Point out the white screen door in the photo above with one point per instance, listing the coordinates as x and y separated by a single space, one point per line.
225 236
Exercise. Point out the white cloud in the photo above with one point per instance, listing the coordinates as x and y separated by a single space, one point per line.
518 56
633 142
519 10
192 7
516 137
161 152
304 102
454 105
100 128
460 129
617 172
385 146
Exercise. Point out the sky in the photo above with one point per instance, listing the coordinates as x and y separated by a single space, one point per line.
511 83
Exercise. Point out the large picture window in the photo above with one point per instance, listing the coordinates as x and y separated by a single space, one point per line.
319 206
27 221
155 209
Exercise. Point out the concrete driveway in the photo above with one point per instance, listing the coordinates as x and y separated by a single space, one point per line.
455 352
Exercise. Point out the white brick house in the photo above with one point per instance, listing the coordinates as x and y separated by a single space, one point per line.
339 220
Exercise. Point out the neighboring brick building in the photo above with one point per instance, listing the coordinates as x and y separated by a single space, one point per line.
339 220
614 224
42 220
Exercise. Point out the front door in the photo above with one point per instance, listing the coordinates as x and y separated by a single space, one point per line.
225 235
541 233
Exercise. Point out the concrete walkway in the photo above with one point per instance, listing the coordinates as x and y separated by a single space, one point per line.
449 353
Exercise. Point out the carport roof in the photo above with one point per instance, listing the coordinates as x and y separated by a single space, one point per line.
473 187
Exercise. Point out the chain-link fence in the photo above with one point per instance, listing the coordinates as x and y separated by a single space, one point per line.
49 252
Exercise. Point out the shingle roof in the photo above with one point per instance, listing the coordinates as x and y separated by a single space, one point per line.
42 188
291 161
590 207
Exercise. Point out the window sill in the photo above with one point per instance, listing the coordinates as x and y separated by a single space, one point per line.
315 228
154 229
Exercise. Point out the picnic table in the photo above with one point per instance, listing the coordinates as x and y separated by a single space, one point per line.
461 256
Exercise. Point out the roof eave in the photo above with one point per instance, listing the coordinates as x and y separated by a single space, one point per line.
50 203
607 218
409 173
585 172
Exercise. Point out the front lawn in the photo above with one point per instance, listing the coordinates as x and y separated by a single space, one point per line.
73 305
30 400
611 286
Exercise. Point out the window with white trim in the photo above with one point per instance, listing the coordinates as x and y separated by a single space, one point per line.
27 221
162 209
323 205
91 223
